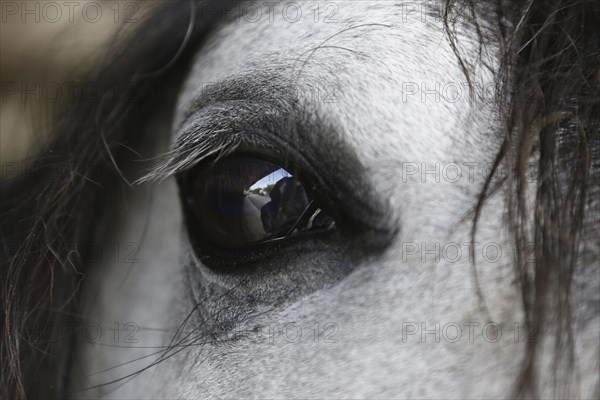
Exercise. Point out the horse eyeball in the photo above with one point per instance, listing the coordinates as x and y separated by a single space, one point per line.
244 200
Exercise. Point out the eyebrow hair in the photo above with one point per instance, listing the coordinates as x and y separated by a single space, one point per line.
262 114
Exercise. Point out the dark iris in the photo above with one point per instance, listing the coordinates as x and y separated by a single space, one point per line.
243 200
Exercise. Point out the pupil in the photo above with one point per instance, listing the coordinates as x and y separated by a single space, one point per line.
244 200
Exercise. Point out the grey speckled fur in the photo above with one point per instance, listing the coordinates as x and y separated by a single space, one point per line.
368 56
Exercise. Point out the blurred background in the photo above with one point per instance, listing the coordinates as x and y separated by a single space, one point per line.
46 49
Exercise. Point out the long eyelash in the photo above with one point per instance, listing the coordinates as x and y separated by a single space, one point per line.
212 132
191 148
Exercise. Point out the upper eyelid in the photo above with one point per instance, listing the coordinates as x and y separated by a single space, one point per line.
259 87
220 114
213 131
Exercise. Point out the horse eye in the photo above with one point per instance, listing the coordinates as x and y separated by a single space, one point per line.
244 200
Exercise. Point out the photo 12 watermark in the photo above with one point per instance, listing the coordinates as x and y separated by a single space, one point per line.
457 172
326 332
77 253
125 333
466 332
264 12
453 252
70 12
69 92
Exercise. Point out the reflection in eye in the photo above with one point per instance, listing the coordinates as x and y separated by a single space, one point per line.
245 200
